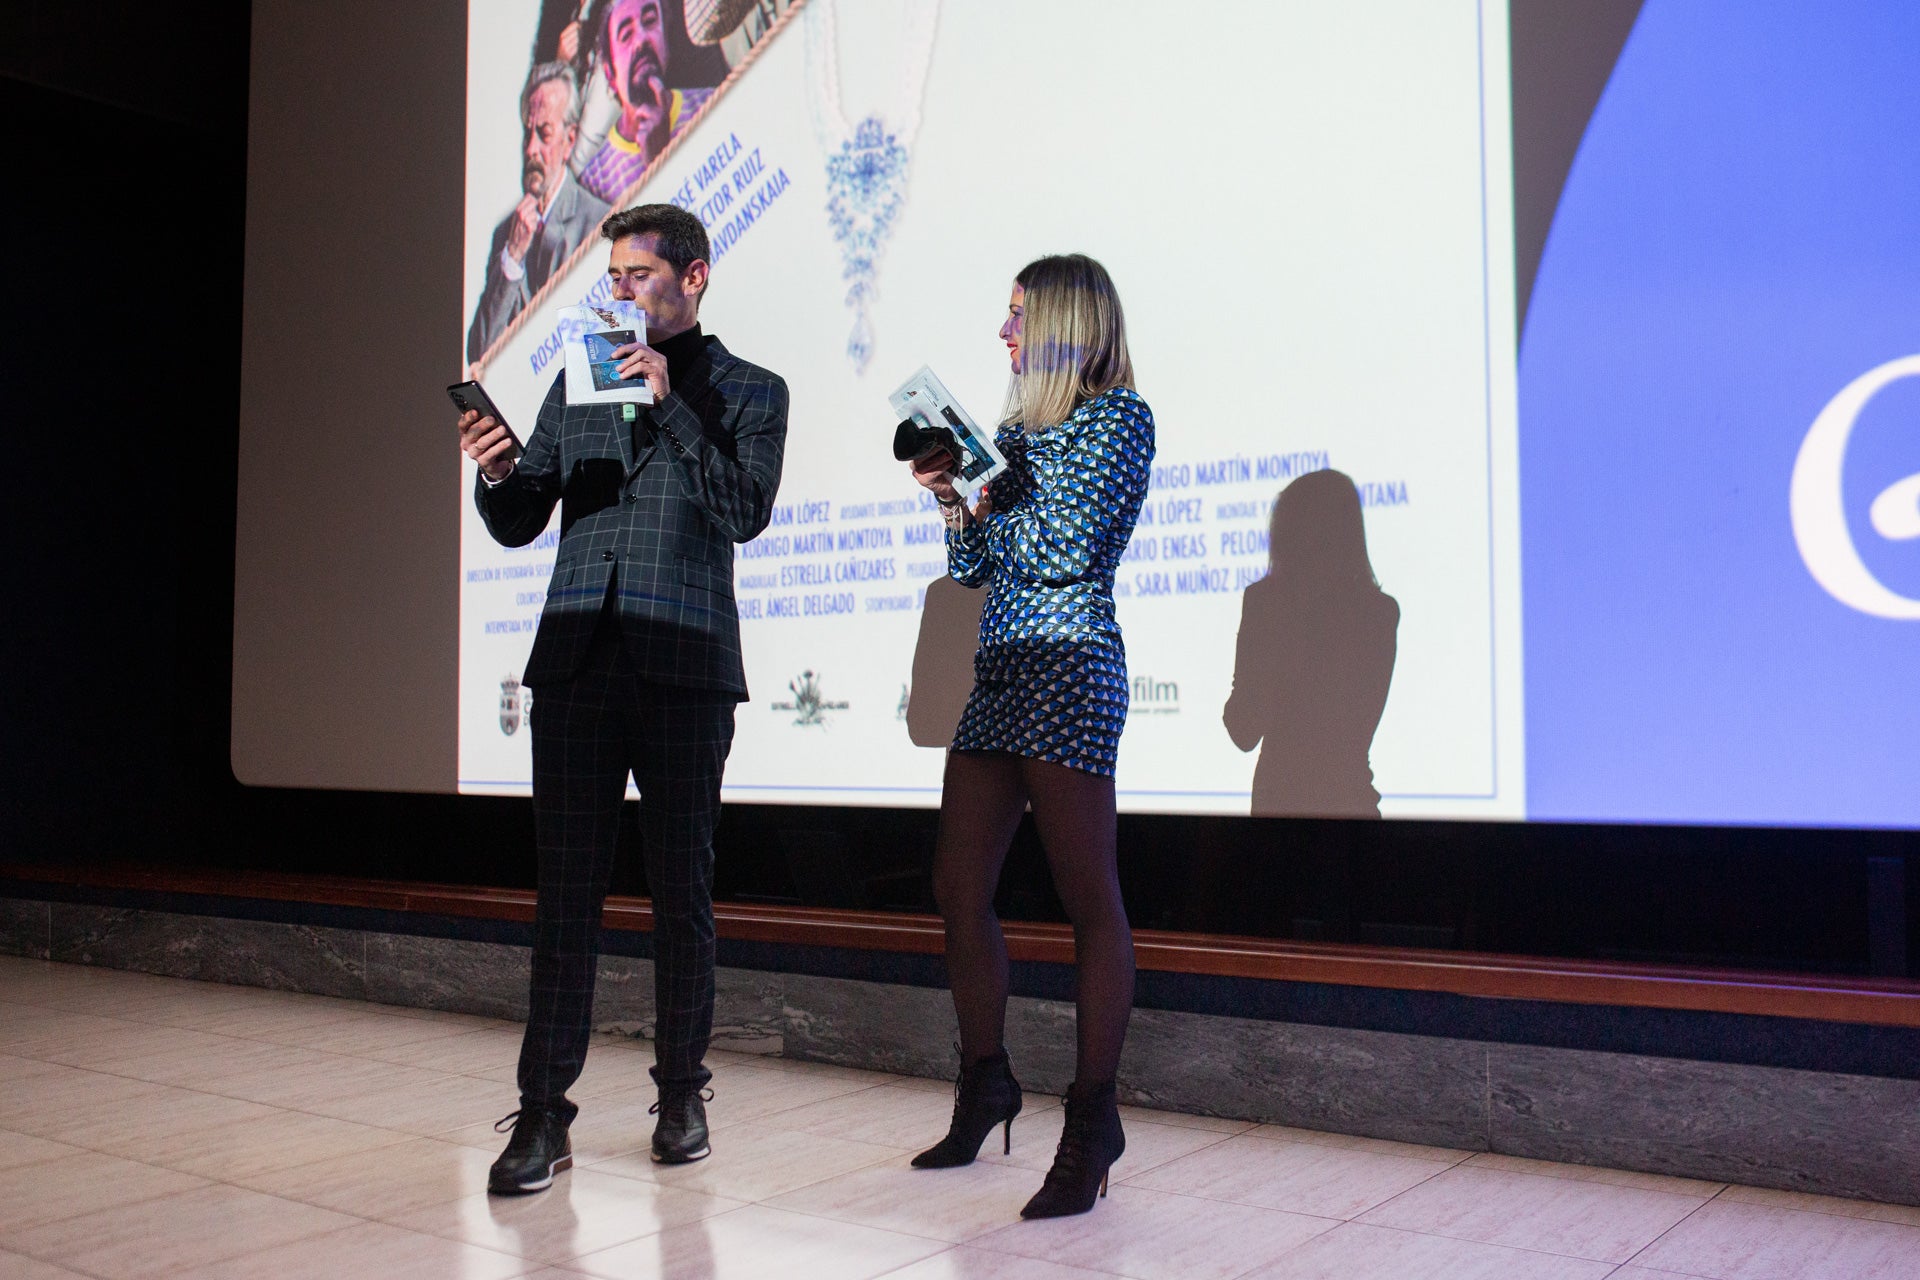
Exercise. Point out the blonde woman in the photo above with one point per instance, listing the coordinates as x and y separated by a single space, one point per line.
1042 726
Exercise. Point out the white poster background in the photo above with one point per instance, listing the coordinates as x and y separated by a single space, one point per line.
1305 207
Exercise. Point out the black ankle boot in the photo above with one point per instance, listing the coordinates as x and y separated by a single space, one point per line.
1090 1142
986 1094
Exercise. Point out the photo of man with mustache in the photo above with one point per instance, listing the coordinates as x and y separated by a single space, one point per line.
634 47
554 215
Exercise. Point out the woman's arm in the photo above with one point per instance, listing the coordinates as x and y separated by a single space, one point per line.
1053 535
968 561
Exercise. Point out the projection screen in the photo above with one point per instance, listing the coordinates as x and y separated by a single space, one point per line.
1305 209
1650 557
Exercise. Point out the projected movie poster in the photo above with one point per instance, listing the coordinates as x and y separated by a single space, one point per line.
1306 210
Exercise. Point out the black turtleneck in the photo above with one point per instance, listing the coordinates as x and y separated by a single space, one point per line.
680 351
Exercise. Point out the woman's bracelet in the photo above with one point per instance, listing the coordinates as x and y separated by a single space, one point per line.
954 514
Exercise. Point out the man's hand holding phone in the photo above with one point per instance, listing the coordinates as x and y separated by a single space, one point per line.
488 443
484 434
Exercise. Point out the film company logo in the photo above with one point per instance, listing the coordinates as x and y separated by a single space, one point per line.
1825 530
1151 697
809 704
516 704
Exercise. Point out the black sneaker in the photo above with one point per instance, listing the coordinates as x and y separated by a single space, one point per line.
538 1150
681 1135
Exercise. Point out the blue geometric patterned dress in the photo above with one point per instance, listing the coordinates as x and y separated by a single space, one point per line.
1050 677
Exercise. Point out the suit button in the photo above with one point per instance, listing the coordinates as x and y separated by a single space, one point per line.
633 497
606 555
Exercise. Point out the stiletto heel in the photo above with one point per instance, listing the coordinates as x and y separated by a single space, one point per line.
1090 1141
1006 1131
985 1094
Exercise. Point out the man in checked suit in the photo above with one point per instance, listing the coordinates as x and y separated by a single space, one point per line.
635 668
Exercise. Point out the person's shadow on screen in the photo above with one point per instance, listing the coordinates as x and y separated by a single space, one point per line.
1314 657
943 662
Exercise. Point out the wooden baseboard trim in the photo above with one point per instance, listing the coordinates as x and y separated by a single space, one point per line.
1880 1002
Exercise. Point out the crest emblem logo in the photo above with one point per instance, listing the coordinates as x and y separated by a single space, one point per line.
513 698
809 705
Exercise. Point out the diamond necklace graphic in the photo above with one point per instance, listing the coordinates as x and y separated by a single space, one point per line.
866 162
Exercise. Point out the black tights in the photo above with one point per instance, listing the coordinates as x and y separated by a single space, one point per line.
986 792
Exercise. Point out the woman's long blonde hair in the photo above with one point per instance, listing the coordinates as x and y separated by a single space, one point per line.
1073 340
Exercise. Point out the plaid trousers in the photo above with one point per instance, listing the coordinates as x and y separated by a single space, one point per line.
588 734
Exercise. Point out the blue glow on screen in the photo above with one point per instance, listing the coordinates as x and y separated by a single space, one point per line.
1739 239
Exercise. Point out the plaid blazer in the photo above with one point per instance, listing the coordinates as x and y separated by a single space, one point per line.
653 529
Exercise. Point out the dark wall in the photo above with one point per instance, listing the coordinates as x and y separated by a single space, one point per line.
122 448
123 443
126 195
170 63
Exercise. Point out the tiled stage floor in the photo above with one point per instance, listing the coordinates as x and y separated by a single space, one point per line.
152 1126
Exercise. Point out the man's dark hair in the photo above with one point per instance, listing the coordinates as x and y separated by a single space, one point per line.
677 235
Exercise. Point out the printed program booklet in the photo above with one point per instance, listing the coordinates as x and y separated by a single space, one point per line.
591 335
924 399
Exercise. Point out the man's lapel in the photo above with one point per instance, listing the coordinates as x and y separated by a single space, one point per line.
623 438
694 389
626 440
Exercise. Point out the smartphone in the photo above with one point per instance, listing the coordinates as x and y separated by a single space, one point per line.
472 396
